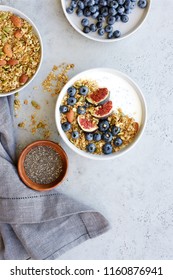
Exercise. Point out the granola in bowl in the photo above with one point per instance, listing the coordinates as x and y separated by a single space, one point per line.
20 51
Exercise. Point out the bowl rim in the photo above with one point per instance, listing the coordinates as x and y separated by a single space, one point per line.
21 14
26 179
106 40
113 155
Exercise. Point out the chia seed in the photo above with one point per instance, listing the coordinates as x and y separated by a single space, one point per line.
43 165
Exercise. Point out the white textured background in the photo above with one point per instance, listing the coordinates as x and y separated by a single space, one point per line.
134 192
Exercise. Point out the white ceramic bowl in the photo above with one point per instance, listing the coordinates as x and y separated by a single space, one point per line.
124 93
136 19
20 14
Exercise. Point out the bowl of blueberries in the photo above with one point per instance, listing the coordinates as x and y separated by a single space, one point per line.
106 20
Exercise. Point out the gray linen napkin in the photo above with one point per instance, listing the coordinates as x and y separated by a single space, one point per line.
32 224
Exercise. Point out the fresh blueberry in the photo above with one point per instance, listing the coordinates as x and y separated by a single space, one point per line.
111 20
115 130
103 125
99 24
93 9
81 5
104 11
100 18
107 136
63 109
89 136
101 31
91 148
93 27
124 18
81 110
120 10
70 10
91 3
110 35
95 15
117 17
97 136
107 148
132 5
118 142
73 4
85 22
108 28
71 101
142 4
75 134
71 91
116 34
79 12
66 126
113 4
83 90
103 3
87 12
86 29
112 11
121 2
127 11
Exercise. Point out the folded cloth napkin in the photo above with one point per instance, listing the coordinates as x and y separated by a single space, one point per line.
37 225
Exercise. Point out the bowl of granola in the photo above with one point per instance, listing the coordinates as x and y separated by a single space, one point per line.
101 113
21 50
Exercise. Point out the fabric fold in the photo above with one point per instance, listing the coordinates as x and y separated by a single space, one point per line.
32 224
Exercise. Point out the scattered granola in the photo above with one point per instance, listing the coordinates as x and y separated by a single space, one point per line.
22 124
35 105
19 51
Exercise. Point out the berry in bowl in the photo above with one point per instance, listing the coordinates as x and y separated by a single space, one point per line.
20 50
100 113
106 20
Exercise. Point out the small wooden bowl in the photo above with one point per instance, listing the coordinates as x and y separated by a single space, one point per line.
27 180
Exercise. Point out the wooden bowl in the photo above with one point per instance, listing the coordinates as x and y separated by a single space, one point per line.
27 180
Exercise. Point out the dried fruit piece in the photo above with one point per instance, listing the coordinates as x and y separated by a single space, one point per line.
35 105
103 111
12 62
18 34
88 125
7 50
70 115
99 96
3 62
136 126
17 21
23 79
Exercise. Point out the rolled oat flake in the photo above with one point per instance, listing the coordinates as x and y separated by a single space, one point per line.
43 165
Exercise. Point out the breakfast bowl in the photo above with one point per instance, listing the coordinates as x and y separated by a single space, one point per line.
106 21
21 50
42 165
101 113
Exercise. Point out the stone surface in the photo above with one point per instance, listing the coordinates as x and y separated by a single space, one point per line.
134 192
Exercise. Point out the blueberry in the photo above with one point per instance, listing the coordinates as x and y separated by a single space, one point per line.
99 24
115 130
120 10
63 109
97 136
124 18
103 125
70 10
112 11
100 18
121 2
89 136
79 12
101 31
75 134
103 3
118 142
117 17
113 4
93 9
71 101
81 110
83 90
108 28
85 22
107 148
111 20
110 35
95 15
142 4
81 5
127 11
93 27
91 148
71 91
107 136
66 126
73 4
132 5
91 3
116 34
87 12
86 29
104 11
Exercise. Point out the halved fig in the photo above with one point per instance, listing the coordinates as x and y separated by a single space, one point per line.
103 111
87 124
99 96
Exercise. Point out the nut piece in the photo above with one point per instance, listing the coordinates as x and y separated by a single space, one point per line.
16 21
12 62
7 50
23 79
70 115
18 34
2 62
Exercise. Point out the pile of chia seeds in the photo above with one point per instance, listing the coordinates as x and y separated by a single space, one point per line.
43 165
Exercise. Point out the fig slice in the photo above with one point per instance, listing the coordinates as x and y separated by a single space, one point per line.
87 124
103 111
99 96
